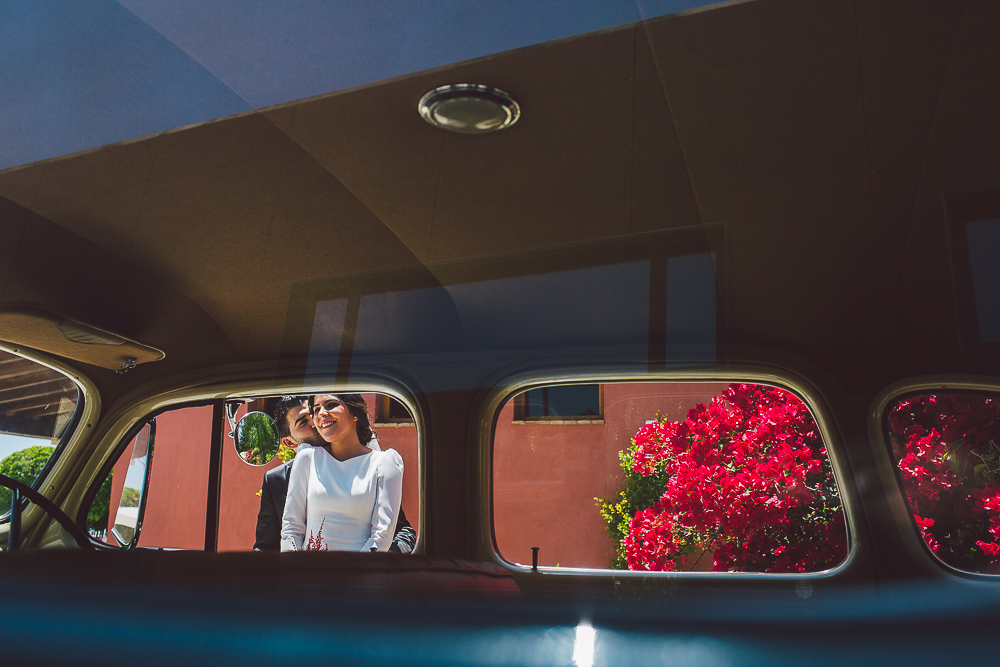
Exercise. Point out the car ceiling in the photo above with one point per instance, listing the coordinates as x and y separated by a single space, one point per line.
821 137
77 76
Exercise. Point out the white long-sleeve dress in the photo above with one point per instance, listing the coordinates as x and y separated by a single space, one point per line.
355 502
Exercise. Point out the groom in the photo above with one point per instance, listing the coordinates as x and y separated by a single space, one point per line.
294 423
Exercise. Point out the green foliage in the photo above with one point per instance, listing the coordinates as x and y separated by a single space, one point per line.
639 493
130 497
24 466
286 454
97 515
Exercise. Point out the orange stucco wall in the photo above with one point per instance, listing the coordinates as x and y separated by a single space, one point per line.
178 480
404 440
546 475
238 499
177 497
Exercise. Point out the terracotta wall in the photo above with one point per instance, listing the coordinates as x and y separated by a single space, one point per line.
178 482
546 475
238 499
404 440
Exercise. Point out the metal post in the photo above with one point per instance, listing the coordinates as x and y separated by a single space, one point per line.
14 536
215 477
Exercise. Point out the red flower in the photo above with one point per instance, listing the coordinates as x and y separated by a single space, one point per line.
315 542
991 548
747 479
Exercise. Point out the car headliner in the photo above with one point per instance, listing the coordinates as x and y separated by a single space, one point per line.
819 136
80 76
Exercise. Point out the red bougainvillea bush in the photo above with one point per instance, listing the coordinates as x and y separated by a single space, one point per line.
948 452
746 479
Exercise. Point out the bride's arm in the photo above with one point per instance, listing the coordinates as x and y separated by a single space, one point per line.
293 520
388 498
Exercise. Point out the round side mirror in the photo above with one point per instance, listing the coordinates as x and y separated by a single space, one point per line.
256 438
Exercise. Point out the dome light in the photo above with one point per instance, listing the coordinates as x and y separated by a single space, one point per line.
469 108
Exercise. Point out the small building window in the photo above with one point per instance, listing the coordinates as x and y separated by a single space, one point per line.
390 411
560 402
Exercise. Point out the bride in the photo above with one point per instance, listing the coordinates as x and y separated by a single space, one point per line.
342 495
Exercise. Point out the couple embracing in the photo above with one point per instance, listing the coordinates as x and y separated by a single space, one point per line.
340 492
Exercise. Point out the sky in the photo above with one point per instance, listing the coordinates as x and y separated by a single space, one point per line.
12 443
77 75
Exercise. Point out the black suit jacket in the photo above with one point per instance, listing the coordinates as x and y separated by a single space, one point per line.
272 506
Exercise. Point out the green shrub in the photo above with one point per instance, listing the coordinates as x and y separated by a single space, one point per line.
24 466
640 493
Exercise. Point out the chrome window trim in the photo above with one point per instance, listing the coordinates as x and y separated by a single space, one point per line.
809 393
901 514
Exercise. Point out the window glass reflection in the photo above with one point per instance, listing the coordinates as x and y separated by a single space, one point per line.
37 403
984 239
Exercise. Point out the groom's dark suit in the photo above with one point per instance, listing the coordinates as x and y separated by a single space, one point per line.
272 506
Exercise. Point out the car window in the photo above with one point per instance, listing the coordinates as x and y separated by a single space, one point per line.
156 494
37 406
946 450
175 506
675 476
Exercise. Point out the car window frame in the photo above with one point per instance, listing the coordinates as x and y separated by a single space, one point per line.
810 394
108 465
77 430
888 473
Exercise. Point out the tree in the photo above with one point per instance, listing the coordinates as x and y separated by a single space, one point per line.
24 466
745 479
97 515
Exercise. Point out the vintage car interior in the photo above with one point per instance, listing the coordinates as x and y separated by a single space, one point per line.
528 259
